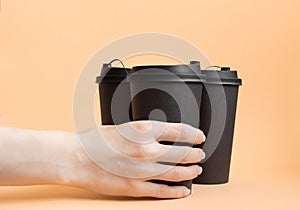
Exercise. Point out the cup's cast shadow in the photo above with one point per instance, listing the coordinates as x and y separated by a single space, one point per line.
38 193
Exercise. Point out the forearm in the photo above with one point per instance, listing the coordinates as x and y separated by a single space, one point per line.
36 157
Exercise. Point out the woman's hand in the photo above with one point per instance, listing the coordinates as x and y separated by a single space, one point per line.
111 160
112 164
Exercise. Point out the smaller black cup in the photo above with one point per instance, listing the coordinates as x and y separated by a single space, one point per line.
218 111
111 79
175 90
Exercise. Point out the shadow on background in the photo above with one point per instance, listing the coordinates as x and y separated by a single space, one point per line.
38 193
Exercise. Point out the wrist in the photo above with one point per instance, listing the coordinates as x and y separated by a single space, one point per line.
77 169
68 158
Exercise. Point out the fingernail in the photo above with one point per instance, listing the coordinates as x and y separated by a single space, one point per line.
204 138
186 192
199 170
203 155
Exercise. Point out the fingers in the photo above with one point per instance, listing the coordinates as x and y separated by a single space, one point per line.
180 173
179 154
165 153
146 131
148 189
179 132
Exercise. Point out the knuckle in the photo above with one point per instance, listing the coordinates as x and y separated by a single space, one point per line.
186 130
175 192
178 127
178 130
187 127
162 191
186 153
187 150
176 173
198 154
148 151
130 185
195 171
143 151
142 125
178 193
135 152
169 192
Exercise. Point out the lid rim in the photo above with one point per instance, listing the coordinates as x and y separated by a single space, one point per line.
228 77
180 69
167 77
224 83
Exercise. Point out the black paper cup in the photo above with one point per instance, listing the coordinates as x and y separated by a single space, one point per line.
217 116
110 80
166 93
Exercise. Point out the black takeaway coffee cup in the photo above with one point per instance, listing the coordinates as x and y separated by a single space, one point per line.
168 93
114 94
217 116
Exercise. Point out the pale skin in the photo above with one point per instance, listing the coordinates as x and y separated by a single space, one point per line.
31 157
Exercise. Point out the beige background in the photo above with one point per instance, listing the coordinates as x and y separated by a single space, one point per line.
44 45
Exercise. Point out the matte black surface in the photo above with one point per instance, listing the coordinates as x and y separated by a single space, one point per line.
106 92
216 168
155 98
109 80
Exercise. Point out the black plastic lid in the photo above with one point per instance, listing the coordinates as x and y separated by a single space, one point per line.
112 74
172 73
225 76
